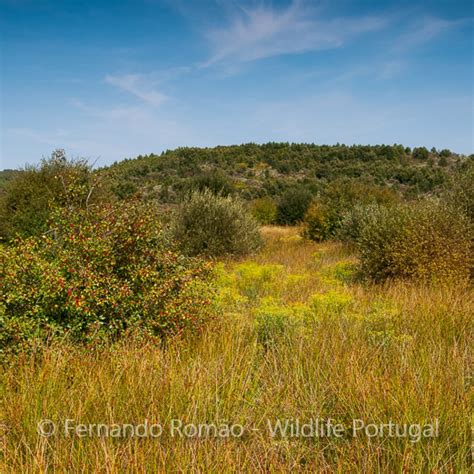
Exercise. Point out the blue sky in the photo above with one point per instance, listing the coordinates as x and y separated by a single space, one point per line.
113 79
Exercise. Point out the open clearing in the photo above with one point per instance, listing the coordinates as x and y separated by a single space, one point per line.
297 339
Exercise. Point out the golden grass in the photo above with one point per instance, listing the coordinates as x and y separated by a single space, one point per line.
396 353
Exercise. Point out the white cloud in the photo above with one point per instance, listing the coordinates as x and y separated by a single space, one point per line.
124 131
391 69
425 30
266 31
129 114
139 86
49 138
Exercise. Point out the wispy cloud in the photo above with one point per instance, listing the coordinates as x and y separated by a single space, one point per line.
391 69
127 121
138 85
46 141
49 138
265 31
425 30
120 112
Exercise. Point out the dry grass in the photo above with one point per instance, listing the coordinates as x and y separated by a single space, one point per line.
399 352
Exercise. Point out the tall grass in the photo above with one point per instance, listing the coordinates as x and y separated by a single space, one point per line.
397 352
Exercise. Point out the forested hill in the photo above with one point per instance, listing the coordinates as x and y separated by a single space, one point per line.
279 181
254 170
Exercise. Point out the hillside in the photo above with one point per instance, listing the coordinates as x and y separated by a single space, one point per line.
259 170
254 170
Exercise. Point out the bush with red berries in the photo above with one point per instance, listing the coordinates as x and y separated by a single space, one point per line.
99 273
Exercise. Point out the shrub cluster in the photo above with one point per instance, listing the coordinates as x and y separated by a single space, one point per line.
271 168
426 240
293 205
212 225
324 217
460 189
216 181
354 219
264 210
33 193
317 222
101 273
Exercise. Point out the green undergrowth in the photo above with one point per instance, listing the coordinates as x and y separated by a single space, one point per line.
280 304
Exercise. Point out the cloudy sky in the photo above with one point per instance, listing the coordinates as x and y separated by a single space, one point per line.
113 79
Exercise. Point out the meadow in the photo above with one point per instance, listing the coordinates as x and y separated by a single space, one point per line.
296 337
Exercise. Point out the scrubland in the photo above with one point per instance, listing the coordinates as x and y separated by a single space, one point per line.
296 337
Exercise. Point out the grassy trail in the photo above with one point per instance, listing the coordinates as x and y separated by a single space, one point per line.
297 340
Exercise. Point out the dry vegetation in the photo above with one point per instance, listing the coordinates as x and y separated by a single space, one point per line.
298 338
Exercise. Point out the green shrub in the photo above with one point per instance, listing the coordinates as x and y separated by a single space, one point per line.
18 334
326 214
428 240
101 273
460 189
420 153
293 205
316 221
211 225
264 210
216 182
33 193
354 220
